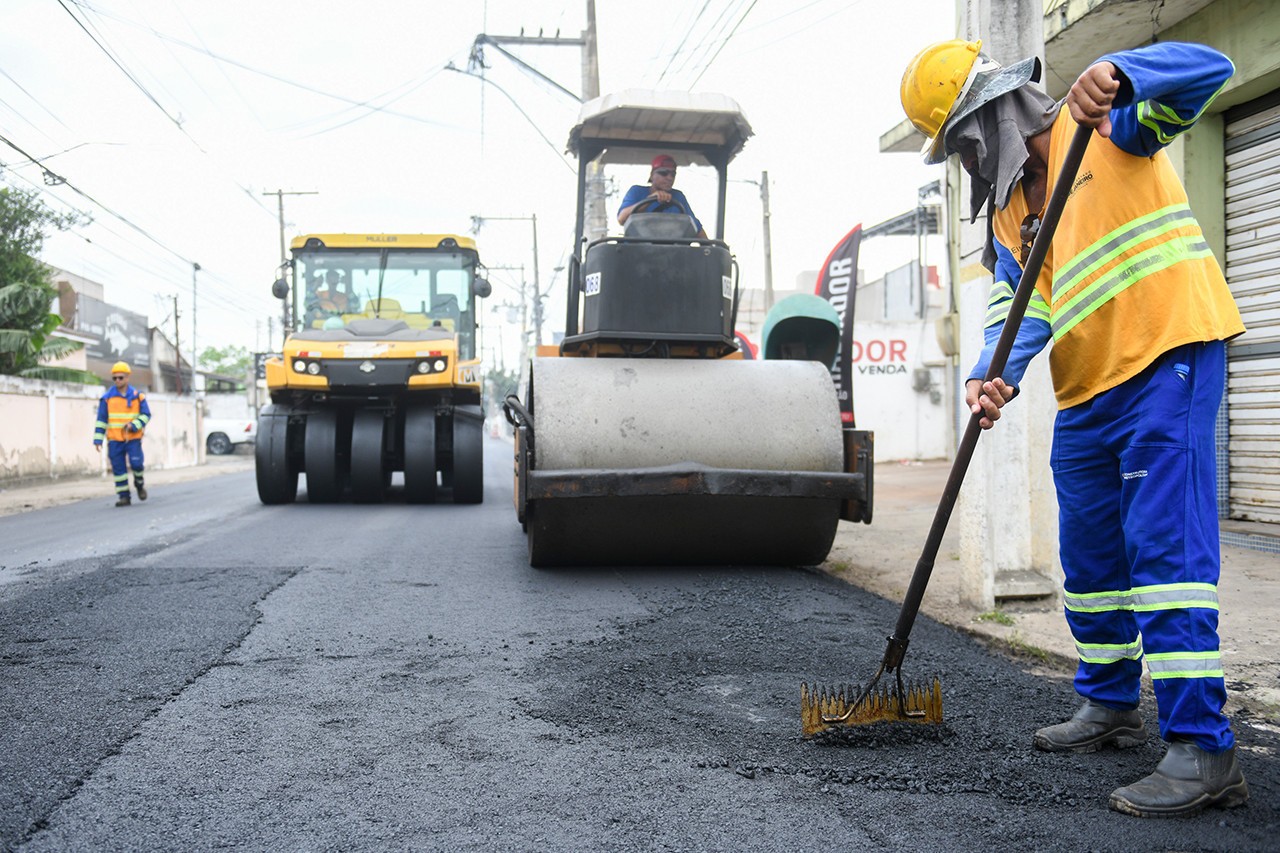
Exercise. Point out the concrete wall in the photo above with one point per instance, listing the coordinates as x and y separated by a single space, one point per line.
47 430
908 423
1248 31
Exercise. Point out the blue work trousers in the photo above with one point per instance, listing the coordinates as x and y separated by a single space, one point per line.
118 452
1136 478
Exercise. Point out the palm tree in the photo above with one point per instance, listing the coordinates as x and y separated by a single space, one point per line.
27 342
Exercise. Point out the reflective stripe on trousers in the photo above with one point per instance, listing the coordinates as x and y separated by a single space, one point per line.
1135 474
118 452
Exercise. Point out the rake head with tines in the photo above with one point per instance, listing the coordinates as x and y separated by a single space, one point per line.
827 708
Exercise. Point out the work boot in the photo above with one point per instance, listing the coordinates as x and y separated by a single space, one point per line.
123 500
142 492
1186 780
1093 727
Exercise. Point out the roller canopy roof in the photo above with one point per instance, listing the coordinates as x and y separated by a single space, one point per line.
631 126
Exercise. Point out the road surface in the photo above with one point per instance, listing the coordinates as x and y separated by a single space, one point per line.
203 671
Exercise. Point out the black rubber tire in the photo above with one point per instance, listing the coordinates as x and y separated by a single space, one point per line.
277 476
324 459
368 461
468 459
420 455
218 444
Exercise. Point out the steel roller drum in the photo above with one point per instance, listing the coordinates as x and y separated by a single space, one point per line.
682 462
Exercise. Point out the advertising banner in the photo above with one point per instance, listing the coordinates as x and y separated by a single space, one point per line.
837 284
122 335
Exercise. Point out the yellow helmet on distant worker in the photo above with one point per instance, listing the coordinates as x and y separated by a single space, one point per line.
121 367
949 80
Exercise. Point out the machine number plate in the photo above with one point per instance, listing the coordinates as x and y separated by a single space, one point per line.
726 286
591 284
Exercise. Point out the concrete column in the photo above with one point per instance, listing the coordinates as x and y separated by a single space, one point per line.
1007 511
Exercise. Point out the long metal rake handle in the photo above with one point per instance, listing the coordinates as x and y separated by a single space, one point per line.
897 647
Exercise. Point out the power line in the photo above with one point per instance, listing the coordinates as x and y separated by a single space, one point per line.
128 74
688 32
727 39
136 82
269 75
34 99
713 32
520 109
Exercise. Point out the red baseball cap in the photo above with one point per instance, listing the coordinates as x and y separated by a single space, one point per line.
663 161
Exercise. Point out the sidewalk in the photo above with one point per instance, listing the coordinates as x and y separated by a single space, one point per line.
881 557
47 493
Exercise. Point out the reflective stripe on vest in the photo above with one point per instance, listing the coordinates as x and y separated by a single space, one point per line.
1171 596
1120 266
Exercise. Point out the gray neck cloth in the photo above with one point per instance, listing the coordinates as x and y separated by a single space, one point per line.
997 133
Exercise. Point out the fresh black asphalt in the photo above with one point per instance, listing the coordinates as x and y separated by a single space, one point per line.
223 674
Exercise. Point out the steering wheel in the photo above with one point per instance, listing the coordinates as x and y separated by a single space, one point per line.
662 205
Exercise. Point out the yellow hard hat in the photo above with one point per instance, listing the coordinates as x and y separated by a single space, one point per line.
951 79
934 81
120 367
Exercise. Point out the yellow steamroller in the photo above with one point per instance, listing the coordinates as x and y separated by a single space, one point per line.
646 438
380 373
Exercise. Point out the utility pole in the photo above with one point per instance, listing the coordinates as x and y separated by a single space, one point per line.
768 243
477 222
195 352
177 348
271 332
280 194
524 307
763 184
597 222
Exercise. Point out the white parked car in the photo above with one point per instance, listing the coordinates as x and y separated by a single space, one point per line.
221 435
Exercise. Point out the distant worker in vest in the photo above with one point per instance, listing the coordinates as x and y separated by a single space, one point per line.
1139 314
660 196
123 414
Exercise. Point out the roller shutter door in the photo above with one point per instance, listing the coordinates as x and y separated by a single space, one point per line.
1253 271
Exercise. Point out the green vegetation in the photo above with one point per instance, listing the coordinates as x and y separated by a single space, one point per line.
227 361
1024 649
997 616
27 342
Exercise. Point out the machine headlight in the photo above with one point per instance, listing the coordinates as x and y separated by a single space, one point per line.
439 365
424 367
299 366
314 368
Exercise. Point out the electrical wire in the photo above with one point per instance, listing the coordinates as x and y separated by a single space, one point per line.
703 47
136 82
60 181
34 99
688 32
727 39
270 75
519 109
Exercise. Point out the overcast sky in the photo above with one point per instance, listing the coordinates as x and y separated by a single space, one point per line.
178 115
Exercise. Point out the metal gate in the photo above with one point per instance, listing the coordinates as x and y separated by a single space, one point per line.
1253 271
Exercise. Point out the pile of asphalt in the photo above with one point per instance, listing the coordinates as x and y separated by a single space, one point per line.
713 673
